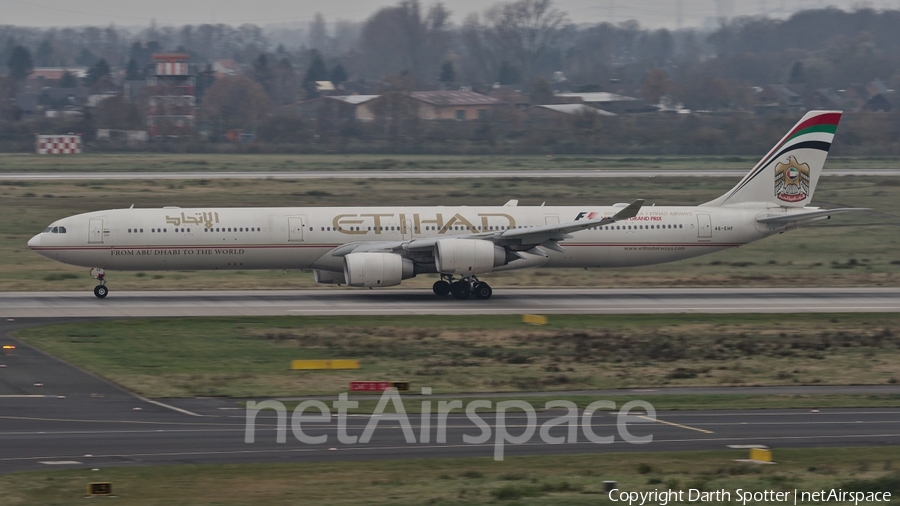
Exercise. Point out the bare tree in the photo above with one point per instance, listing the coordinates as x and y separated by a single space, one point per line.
235 102
398 40
480 63
655 86
524 32
318 34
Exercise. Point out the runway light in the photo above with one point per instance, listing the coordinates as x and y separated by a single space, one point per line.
8 347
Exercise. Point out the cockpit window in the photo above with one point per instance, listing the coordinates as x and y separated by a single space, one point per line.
62 230
47 230
55 230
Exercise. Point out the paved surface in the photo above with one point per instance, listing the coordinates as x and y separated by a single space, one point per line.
423 301
77 420
418 174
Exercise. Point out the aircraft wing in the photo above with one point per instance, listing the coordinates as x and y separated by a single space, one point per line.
549 235
519 239
782 219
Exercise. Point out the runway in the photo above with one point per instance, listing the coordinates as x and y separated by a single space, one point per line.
53 416
424 302
112 434
414 174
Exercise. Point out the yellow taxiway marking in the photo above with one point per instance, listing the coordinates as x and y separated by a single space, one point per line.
673 424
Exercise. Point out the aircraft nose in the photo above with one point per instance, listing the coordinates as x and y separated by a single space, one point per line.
35 241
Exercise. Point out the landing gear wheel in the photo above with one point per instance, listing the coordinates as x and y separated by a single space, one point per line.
482 290
101 291
441 288
460 290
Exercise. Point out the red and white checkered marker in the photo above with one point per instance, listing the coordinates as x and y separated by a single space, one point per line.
58 144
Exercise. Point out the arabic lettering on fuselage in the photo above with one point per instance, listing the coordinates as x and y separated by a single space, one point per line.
206 219
374 222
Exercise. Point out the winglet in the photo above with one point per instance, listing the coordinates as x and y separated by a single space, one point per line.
630 211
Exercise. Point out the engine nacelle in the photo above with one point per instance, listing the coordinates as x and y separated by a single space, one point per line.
467 256
329 277
377 269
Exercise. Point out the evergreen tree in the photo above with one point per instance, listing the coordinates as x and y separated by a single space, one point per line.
97 72
68 80
316 72
448 73
133 72
85 58
338 74
20 63
262 73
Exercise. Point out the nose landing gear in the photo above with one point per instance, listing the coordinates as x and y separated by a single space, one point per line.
100 291
463 288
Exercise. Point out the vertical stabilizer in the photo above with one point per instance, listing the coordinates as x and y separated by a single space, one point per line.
788 174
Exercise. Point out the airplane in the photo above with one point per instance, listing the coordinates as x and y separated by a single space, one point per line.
382 246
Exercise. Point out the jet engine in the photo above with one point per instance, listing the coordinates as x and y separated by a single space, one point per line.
467 256
329 277
377 269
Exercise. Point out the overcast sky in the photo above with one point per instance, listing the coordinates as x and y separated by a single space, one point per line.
652 13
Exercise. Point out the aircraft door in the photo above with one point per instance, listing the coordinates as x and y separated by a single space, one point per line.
95 231
704 226
407 230
551 220
296 224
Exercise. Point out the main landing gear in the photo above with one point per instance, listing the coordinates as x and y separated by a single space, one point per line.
100 291
463 288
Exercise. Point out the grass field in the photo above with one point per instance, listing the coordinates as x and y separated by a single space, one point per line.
146 162
250 357
850 250
562 480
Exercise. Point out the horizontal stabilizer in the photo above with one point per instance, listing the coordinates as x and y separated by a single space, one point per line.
776 219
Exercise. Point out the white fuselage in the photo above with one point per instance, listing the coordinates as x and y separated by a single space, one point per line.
303 238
